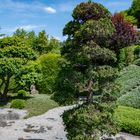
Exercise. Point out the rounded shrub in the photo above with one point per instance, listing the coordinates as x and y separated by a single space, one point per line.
18 103
22 93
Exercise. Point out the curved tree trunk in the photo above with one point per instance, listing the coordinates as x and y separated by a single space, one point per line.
90 92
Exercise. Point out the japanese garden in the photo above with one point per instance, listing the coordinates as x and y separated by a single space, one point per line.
86 87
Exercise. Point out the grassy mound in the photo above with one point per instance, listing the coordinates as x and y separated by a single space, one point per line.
129 79
130 89
131 99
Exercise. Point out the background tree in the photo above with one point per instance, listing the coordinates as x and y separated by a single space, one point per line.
27 38
49 70
13 56
41 43
134 10
129 18
85 50
124 36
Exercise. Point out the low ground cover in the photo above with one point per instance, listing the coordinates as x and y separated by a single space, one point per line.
129 119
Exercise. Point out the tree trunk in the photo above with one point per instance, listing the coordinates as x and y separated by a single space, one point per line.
5 91
3 81
90 91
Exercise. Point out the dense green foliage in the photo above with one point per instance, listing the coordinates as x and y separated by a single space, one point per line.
137 52
132 14
18 103
128 55
89 122
91 59
19 68
129 119
14 54
49 71
90 66
85 56
134 10
129 18
97 47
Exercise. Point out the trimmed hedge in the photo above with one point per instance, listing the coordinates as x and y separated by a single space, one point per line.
18 103
22 93
129 119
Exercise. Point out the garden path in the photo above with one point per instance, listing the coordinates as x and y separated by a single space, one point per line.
48 126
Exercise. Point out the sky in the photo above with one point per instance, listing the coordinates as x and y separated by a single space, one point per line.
48 15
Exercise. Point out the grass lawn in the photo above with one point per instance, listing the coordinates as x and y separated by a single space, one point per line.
39 104
35 104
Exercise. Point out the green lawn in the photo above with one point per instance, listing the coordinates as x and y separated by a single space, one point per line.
39 104
35 104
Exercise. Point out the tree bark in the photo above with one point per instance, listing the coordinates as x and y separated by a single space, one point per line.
5 91
90 91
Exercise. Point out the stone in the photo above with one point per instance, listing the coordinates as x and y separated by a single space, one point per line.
33 89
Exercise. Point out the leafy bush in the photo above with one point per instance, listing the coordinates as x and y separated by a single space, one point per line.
18 103
131 99
50 69
126 55
22 93
129 119
87 122
129 51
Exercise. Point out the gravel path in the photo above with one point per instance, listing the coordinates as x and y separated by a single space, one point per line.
48 126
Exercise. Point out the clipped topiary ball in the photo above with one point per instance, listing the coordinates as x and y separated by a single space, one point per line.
22 93
18 103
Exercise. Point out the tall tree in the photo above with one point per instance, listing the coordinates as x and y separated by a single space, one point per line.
27 38
41 43
86 51
89 67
